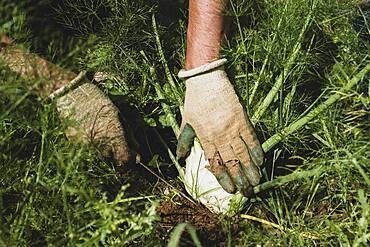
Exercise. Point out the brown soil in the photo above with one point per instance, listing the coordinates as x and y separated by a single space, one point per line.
209 227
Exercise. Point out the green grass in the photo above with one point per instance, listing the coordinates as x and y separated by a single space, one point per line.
299 68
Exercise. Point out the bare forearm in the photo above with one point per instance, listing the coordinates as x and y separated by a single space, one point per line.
205 31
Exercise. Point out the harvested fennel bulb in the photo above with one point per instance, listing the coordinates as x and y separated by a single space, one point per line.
202 185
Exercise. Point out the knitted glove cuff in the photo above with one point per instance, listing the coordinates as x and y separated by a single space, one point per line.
202 69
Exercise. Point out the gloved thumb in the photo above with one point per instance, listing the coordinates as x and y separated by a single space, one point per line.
185 142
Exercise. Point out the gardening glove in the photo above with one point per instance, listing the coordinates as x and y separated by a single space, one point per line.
95 119
92 116
213 112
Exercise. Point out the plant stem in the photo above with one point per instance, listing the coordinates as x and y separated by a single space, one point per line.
308 235
257 83
166 108
275 139
164 62
172 157
72 84
262 221
279 82
286 179
167 183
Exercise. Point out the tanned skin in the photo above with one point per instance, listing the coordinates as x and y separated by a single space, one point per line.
205 32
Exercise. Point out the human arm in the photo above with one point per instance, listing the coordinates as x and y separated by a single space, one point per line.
205 32
212 108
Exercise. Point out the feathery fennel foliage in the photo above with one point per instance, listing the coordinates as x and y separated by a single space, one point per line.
59 193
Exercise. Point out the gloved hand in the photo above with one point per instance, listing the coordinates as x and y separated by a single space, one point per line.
95 119
213 112
93 116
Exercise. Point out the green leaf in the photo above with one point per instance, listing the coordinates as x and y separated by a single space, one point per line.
177 232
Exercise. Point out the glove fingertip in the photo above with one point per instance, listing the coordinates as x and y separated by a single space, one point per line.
181 152
222 176
226 183
185 141
257 155
252 173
